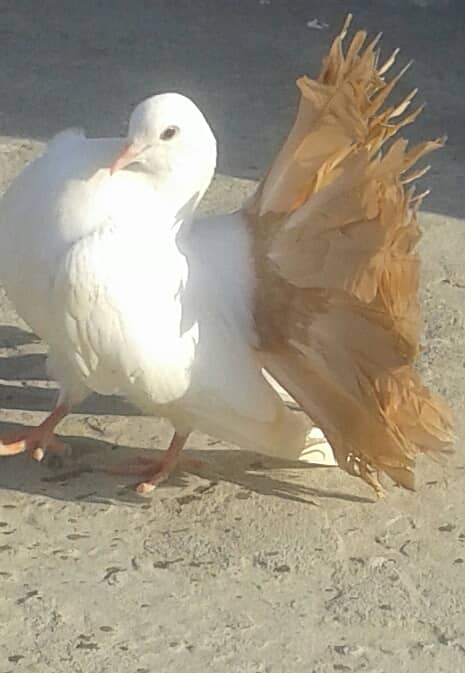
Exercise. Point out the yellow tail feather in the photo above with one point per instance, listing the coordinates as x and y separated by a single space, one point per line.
334 231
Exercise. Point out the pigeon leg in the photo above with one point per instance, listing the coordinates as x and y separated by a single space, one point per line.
153 472
38 440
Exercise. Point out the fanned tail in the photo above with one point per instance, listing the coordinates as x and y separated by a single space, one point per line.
334 229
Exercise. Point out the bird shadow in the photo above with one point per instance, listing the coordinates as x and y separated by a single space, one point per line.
84 476
12 337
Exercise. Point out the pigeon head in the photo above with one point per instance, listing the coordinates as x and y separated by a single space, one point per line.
170 140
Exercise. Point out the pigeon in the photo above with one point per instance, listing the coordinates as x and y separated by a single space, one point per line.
311 284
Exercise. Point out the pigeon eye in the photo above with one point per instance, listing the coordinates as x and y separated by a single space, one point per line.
169 133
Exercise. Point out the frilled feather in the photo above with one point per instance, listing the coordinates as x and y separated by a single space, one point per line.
335 231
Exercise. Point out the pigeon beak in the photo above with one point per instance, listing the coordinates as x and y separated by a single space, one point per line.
127 155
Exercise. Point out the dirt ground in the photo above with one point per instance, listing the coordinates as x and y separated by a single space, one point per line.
243 565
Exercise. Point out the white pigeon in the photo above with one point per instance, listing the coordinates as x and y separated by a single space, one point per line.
314 280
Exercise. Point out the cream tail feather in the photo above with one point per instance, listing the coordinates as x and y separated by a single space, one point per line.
334 231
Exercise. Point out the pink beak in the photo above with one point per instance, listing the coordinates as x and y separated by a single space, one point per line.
127 155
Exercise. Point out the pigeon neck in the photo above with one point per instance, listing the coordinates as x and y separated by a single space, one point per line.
182 191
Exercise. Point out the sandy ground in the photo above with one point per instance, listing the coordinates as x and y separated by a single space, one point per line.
243 565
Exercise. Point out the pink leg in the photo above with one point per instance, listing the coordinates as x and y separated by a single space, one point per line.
37 440
154 472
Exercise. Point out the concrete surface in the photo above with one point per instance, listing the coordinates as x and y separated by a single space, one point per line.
244 566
